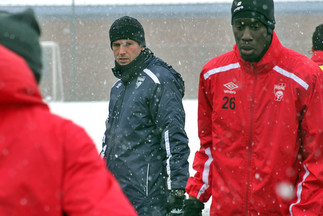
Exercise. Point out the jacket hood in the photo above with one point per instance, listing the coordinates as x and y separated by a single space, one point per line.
18 85
267 62
178 80
318 57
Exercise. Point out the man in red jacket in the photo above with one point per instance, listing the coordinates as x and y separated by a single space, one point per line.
317 41
260 125
48 165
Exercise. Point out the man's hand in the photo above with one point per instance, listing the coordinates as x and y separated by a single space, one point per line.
193 207
175 201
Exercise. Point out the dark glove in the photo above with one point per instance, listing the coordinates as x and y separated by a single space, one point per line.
175 201
193 207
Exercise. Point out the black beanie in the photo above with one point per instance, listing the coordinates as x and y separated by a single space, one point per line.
317 38
262 10
127 28
20 33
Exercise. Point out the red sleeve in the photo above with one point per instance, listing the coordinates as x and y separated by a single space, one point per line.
199 186
309 187
88 187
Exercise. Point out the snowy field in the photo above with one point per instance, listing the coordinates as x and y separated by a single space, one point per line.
92 115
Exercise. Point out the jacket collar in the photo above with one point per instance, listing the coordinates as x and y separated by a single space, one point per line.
268 61
128 72
318 57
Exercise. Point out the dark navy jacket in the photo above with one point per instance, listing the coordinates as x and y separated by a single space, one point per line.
145 143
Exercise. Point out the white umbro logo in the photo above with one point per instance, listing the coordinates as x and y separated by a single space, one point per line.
230 86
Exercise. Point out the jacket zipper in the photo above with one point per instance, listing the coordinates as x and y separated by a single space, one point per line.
250 141
116 121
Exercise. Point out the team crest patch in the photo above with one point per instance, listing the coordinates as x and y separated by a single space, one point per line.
139 81
279 91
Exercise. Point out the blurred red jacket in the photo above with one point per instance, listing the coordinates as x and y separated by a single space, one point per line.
48 165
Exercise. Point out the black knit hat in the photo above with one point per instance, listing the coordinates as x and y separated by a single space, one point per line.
20 33
127 28
262 10
317 38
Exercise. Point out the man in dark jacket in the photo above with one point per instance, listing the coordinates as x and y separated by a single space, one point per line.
49 165
145 144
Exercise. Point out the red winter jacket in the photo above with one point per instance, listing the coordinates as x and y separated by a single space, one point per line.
318 57
48 165
261 133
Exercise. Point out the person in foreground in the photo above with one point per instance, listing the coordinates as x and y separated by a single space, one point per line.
145 144
260 114
49 165
317 48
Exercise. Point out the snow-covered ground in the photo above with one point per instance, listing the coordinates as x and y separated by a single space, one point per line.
92 115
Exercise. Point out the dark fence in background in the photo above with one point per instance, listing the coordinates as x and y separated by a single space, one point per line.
186 36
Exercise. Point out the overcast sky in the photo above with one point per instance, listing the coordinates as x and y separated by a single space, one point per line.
115 2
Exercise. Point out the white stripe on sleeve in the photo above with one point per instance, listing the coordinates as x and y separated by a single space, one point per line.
291 76
299 190
221 69
169 156
206 172
152 75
